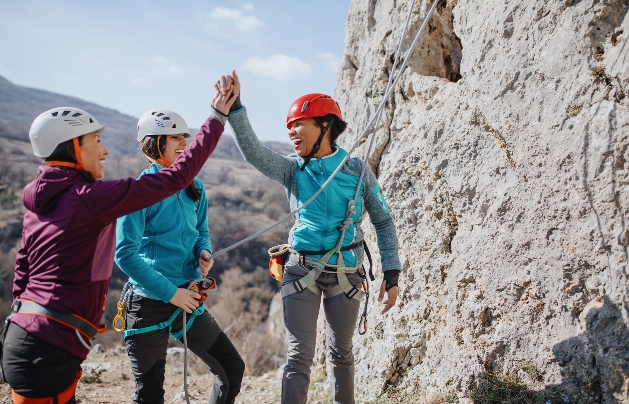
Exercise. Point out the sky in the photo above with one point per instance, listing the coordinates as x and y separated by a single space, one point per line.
136 55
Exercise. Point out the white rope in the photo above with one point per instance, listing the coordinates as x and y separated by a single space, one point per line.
361 139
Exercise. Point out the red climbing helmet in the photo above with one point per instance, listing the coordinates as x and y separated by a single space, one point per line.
312 106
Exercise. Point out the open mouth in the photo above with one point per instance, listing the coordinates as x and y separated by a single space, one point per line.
101 163
297 143
179 151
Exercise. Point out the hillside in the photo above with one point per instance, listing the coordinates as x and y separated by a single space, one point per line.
502 154
20 105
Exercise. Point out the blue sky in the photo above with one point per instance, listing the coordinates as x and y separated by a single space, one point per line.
137 55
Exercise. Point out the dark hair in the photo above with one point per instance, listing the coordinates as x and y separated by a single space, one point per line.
338 126
65 152
149 146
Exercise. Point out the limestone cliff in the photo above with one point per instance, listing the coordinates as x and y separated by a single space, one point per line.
503 154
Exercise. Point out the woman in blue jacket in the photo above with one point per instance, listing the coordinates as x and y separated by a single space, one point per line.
314 267
162 248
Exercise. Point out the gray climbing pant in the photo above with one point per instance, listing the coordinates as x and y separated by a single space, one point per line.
300 317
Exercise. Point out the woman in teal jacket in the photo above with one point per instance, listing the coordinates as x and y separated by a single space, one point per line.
162 248
314 268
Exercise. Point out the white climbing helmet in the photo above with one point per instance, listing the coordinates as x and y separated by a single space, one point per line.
161 122
57 125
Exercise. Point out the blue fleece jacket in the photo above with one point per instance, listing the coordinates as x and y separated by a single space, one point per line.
159 246
316 226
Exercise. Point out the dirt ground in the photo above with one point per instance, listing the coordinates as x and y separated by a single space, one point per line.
107 378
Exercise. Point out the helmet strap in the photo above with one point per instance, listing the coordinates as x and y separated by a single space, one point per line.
161 160
77 153
317 145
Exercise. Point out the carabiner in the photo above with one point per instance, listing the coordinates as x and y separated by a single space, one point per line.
119 318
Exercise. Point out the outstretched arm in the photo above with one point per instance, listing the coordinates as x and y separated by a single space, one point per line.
273 165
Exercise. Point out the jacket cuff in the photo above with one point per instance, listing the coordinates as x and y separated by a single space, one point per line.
219 116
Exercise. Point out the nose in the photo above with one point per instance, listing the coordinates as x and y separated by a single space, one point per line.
105 151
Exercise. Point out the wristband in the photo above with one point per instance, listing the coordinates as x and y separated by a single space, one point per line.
236 105
391 277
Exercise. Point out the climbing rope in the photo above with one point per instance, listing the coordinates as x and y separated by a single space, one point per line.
200 286
361 139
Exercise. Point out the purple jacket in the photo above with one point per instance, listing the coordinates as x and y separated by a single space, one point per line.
68 241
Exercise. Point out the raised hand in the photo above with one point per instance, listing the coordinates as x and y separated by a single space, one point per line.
223 101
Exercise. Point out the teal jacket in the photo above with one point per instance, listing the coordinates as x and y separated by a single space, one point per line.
316 226
159 246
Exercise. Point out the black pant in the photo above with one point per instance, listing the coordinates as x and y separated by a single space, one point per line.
147 351
35 368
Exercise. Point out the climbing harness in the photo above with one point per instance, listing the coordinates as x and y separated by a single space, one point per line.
83 328
202 286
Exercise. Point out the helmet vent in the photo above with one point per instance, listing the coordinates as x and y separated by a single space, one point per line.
153 113
91 121
77 114
166 118
303 108
160 114
65 113
55 113
174 126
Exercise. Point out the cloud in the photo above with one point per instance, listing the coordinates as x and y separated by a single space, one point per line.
278 67
159 59
170 70
241 21
330 60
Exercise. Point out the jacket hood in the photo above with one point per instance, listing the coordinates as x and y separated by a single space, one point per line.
42 195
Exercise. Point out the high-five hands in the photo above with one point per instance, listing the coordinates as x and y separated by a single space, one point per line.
224 99
228 83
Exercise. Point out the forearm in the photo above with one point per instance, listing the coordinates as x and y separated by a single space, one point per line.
112 199
265 160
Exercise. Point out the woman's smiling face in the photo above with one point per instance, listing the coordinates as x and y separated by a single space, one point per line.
303 135
93 154
175 145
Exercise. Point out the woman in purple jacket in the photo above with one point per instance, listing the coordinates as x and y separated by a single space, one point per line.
66 255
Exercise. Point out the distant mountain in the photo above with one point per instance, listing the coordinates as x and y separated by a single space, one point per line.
20 105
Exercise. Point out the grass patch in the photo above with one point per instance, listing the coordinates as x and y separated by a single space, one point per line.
598 71
393 397
509 389
573 111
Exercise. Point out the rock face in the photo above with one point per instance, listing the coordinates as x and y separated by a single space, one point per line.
503 154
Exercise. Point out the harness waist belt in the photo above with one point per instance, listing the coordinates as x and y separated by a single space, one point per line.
67 319
322 252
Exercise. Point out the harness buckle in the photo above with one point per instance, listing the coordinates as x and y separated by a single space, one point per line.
352 293
15 306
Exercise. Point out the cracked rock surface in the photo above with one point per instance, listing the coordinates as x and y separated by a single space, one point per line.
503 156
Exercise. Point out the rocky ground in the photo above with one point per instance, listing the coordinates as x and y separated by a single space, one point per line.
107 378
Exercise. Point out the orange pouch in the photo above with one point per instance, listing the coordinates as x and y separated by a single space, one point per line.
279 255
